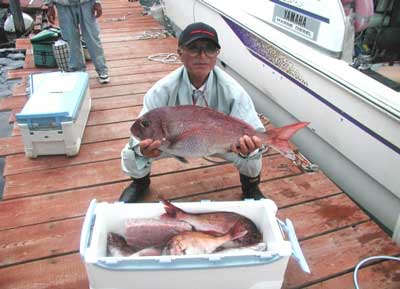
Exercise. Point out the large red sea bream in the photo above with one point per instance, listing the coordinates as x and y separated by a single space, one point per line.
192 242
193 131
217 223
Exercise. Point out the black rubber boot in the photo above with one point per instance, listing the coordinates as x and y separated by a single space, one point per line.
250 187
135 190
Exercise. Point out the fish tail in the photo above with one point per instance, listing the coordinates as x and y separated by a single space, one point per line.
171 210
278 138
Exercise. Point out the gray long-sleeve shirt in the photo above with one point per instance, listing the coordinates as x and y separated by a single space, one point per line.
222 93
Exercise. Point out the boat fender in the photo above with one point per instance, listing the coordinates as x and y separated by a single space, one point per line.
363 10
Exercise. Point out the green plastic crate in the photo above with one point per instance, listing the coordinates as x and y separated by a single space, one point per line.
43 54
42 44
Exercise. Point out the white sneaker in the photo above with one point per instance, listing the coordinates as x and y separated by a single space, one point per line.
104 78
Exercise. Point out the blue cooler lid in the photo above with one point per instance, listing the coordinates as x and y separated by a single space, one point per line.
56 97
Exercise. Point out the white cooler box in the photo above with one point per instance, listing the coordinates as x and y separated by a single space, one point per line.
260 270
54 118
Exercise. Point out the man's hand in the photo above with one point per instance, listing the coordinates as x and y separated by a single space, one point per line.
97 10
247 145
149 148
51 14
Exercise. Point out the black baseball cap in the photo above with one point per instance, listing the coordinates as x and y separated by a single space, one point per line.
198 30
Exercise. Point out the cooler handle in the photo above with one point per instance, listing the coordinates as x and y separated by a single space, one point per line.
297 252
87 228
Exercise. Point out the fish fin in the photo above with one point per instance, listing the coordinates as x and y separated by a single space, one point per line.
178 158
170 209
183 136
238 235
235 233
212 233
181 159
192 143
165 216
150 251
278 138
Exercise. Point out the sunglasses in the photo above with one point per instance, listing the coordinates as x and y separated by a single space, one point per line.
209 49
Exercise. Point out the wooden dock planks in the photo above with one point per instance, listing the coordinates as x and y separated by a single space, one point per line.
45 199
338 252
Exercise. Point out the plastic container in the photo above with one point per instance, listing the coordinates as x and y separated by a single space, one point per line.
53 120
61 54
42 44
261 270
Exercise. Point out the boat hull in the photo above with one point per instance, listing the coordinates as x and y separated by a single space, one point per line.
353 134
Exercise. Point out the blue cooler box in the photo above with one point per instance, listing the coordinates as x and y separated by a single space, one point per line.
54 118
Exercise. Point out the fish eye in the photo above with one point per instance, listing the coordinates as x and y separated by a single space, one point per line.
145 123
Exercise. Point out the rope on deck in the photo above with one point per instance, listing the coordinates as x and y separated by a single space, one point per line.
153 34
300 160
169 58
122 18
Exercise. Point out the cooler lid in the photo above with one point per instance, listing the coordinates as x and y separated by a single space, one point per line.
56 97
46 35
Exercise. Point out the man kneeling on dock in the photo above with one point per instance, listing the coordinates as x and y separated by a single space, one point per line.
198 82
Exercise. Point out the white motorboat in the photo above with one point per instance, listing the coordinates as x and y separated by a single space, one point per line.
331 63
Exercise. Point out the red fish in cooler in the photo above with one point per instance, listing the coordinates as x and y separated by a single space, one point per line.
118 247
143 233
192 243
217 223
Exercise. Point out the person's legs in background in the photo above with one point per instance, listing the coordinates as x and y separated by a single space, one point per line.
69 24
90 33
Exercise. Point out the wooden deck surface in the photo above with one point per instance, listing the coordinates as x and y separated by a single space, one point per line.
45 199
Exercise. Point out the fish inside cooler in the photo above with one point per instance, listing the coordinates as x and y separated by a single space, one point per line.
111 224
177 232
264 268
